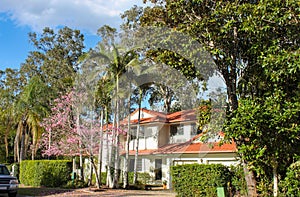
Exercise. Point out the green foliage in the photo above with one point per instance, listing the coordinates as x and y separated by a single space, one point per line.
49 173
238 182
103 178
261 128
290 186
55 58
264 185
204 114
142 177
74 184
204 180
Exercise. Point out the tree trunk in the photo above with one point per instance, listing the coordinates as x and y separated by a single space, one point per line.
74 167
17 145
81 175
108 163
109 181
126 160
6 141
98 181
90 182
275 180
117 140
230 77
22 145
250 180
167 98
137 140
100 151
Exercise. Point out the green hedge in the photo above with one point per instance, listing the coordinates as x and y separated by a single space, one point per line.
290 186
49 173
199 179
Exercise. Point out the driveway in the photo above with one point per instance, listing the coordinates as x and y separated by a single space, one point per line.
119 192
109 192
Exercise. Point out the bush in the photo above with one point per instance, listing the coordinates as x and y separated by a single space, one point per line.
238 182
142 177
103 178
75 184
49 173
199 179
290 186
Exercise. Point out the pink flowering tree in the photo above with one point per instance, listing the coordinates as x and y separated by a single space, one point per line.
74 130
60 136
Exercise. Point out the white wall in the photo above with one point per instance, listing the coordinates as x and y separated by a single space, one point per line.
143 115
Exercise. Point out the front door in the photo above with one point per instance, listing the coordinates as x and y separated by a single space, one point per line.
158 171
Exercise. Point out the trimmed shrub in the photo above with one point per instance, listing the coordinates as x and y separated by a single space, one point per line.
49 173
199 179
75 184
142 177
290 186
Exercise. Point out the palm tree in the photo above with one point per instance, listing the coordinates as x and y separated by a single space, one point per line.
103 100
32 107
117 62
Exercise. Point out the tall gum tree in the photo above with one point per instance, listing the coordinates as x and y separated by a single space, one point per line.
235 33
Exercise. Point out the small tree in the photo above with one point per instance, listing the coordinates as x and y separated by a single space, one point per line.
69 134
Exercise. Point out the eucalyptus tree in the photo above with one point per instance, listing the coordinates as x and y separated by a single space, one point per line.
236 33
273 113
55 59
166 55
164 50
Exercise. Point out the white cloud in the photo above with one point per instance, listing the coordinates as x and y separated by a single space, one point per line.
87 15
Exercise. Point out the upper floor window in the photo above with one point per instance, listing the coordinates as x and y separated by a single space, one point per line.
144 132
148 132
195 129
176 130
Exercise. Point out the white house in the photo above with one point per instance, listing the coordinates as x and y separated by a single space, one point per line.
172 139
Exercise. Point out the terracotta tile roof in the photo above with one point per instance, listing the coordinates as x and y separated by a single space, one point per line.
188 147
200 147
155 113
181 116
141 152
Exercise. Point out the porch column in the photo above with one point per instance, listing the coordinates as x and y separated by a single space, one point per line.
168 174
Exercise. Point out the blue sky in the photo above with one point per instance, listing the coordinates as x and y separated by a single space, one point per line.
19 17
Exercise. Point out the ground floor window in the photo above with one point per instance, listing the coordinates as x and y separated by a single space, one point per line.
139 165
